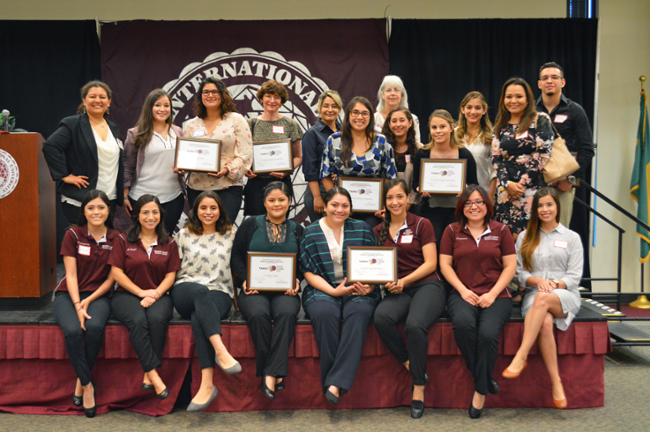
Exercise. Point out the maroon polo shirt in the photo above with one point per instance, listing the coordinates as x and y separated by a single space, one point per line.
92 257
416 233
147 271
479 266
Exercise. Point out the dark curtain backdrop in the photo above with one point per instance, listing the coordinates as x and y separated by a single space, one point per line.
440 61
43 66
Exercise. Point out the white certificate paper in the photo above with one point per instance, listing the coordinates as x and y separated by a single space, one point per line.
198 155
271 156
372 264
271 272
366 193
442 176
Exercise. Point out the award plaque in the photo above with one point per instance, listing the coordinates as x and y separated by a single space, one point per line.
442 176
372 265
366 193
271 271
269 156
198 155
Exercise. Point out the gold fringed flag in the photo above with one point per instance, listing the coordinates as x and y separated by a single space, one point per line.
640 175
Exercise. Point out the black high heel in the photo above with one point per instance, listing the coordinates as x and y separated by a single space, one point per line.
280 385
417 407
265 390
90 412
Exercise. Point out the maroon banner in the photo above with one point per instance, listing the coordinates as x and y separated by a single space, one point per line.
350 56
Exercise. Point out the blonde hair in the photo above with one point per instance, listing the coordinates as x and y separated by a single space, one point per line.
443 114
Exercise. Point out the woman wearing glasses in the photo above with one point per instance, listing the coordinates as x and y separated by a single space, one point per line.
478 259
217 118
357 151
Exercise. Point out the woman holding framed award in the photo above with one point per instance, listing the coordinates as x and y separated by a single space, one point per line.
203 290
271 126
522 144
440 197
82 305
86 152
270 315
313 143
358 151
549 264
392 95
478 259
418 297
328 298
144 264
149 153
217 119
475 132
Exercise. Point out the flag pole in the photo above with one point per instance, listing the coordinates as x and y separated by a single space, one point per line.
642 301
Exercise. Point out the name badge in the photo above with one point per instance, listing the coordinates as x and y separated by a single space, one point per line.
561 244
84 250
408 158
278 129
406 239
560 118
522 135
198 133
120 144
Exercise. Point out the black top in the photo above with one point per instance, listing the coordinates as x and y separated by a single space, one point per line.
463 153
72 149
574 128
313 145
240 247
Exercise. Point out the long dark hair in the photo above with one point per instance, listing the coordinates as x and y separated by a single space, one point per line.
193 223
383 235
532 237
503 116
145 122
227 104
86 88
346 128
91 195
133 234
410 134
460 205
337 190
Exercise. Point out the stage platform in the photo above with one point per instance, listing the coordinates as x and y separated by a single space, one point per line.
37 378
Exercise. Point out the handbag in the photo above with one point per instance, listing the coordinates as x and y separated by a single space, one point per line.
561 164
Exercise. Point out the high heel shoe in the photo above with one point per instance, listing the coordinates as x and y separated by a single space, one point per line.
474 413
148 387
163 394
280 385
417 406
560 404
77 400
265 390
90 412
493 386
507 373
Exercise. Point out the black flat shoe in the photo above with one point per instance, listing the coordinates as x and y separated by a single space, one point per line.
163 394
265 390
474 412
77 400
417 409
493 387
280 385
148 387
331 397
91 412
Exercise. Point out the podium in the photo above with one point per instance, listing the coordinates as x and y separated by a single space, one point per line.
27 223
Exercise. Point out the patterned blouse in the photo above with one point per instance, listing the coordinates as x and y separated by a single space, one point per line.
378 162
236 150
205 259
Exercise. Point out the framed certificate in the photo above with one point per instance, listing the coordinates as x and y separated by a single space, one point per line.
271 271
442 176
198 154
372 265
271 156
367 193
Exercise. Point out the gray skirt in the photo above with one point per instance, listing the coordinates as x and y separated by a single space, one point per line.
570 305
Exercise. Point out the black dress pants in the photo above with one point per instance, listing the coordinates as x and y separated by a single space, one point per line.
204 308
420 306
340 344
82 351
476 331
147 326
271 319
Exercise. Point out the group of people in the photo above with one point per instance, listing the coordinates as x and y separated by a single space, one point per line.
453 252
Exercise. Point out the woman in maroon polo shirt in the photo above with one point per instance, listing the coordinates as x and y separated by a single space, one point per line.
145 262
418 297
478 258
81 304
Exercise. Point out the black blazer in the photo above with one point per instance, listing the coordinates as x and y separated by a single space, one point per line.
71 149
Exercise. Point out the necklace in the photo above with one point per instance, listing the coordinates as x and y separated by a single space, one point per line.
148 242
100 125
443 155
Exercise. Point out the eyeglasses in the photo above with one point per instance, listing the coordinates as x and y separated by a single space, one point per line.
552 77
471 203
356 113
210 92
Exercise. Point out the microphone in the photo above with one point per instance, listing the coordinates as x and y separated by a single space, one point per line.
5 121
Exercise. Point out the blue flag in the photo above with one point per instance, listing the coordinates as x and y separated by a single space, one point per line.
640 174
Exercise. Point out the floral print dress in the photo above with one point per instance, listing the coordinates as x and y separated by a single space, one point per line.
520 157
